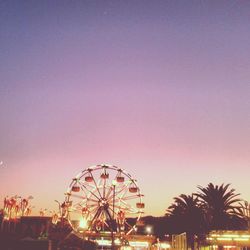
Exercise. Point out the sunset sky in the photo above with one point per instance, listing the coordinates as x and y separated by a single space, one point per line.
159 88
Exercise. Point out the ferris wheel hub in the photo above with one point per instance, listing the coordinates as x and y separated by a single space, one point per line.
103 203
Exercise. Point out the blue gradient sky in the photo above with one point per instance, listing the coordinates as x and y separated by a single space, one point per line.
159 88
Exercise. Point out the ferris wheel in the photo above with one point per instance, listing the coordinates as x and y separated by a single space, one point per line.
104 198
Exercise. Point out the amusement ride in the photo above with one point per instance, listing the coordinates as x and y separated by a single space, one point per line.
103 201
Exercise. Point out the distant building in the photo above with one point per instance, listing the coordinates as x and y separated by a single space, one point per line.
215 240
225 239
179 241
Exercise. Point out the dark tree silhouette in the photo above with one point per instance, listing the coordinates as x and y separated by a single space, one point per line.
187 214
220 204
243 212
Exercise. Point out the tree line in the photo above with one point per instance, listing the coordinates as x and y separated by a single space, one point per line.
214 207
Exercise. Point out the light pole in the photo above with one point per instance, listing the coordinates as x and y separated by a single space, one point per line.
113 216
60 212
59 206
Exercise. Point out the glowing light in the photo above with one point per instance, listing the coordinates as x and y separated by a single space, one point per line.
139 243
245 236
103 242
148 229
83 223
222 238
117 242
126 248
241 239
229 237
164 245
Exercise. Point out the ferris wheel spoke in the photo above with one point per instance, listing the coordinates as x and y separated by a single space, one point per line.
97 213
118 199
124 220
125 191
129 210
78 206
108 218
91 205
113 211
94 211
90 192
85 199
101 214
89 186
101 220
124 188
130 227
95 184
76 211
119 192
129 207
130 197
107 224
78 196
109 215
110 187
86 184
122 208
104 188
89 199
109 192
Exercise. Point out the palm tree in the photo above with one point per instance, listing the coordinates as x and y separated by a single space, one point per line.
187 215
243 211
220 206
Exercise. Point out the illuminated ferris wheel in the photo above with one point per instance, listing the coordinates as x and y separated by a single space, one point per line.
104 198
